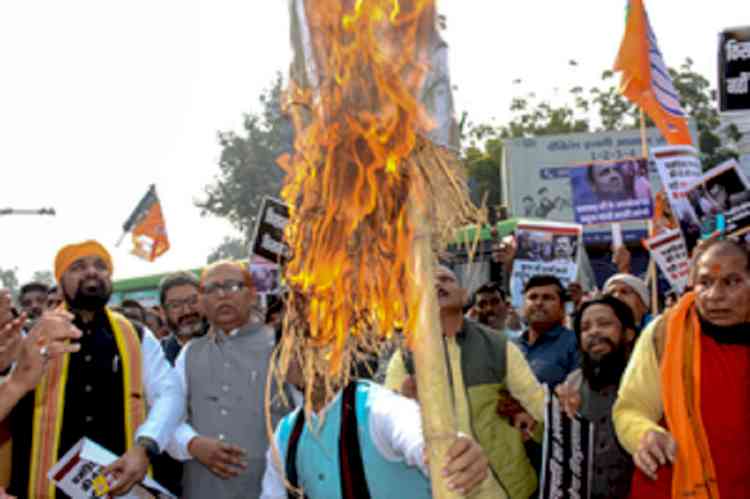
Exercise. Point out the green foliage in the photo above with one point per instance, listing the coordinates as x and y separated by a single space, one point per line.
248 170
598 109
9 280
247 167
44 276
231 248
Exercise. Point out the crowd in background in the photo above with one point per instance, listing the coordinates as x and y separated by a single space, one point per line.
180 387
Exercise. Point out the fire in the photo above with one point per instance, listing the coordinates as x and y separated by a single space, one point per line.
349 179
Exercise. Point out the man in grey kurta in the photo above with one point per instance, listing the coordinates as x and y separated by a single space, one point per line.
224 439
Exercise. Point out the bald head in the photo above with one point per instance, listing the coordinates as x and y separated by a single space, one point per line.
228 295
230 265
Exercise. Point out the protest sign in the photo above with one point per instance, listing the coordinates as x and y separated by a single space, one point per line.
723 190
544 248
734 69
606 192
679 167
567 462
269 231
670 252
79 474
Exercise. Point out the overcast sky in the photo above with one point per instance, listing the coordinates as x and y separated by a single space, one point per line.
100 98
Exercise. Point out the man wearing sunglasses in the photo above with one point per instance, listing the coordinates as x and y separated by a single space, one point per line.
224 440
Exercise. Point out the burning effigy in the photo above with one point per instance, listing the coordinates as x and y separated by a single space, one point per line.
374 185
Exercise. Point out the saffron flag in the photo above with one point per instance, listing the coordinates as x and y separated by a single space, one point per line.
149 231
645 79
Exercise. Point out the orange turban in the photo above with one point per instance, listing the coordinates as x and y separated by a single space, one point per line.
72 252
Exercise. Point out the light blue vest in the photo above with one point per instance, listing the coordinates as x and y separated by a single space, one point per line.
318 455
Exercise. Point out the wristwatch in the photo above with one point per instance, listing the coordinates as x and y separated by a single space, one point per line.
149 445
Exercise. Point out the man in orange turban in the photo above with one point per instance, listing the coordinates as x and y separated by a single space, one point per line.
101 392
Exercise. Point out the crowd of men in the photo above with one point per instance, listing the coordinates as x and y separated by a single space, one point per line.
180 389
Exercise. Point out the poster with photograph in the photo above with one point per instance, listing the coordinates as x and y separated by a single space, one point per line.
544 248
724 191
79 474
669 251
605 192
266 277
679 168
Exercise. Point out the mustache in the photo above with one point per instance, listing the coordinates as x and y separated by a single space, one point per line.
188 318
91 284
599 340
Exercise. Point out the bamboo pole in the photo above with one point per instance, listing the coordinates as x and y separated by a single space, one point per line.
438 416
652 275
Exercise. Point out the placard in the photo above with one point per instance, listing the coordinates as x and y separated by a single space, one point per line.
567 462
670 252
269 231
544 248
606 192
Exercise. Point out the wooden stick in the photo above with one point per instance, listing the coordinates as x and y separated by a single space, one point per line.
438 416
652 275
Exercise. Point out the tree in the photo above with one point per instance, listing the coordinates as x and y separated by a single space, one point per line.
601 108
247 166
231 248
43 276
248 171
9 280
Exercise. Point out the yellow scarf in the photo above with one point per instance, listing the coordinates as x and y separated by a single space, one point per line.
694 475
49 405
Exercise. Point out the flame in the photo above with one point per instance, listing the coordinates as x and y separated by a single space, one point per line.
349 180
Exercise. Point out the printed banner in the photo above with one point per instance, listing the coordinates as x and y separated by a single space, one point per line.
734 70
567 464
544 248
269 231
724 191
611 192
679 167
79 474
670 252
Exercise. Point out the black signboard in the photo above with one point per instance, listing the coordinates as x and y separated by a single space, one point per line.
269 231
734 69
568 455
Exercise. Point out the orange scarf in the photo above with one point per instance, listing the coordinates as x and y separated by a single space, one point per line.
694 475
49 405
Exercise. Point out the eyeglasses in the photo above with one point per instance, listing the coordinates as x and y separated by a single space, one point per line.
229 287
185 302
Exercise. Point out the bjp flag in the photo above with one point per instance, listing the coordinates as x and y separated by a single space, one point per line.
645 79
146 224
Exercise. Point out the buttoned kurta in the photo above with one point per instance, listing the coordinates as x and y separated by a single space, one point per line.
225 378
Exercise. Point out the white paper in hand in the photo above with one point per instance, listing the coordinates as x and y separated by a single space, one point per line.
616 235
79 474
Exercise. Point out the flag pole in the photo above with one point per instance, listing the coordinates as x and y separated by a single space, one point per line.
119 241
652 275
